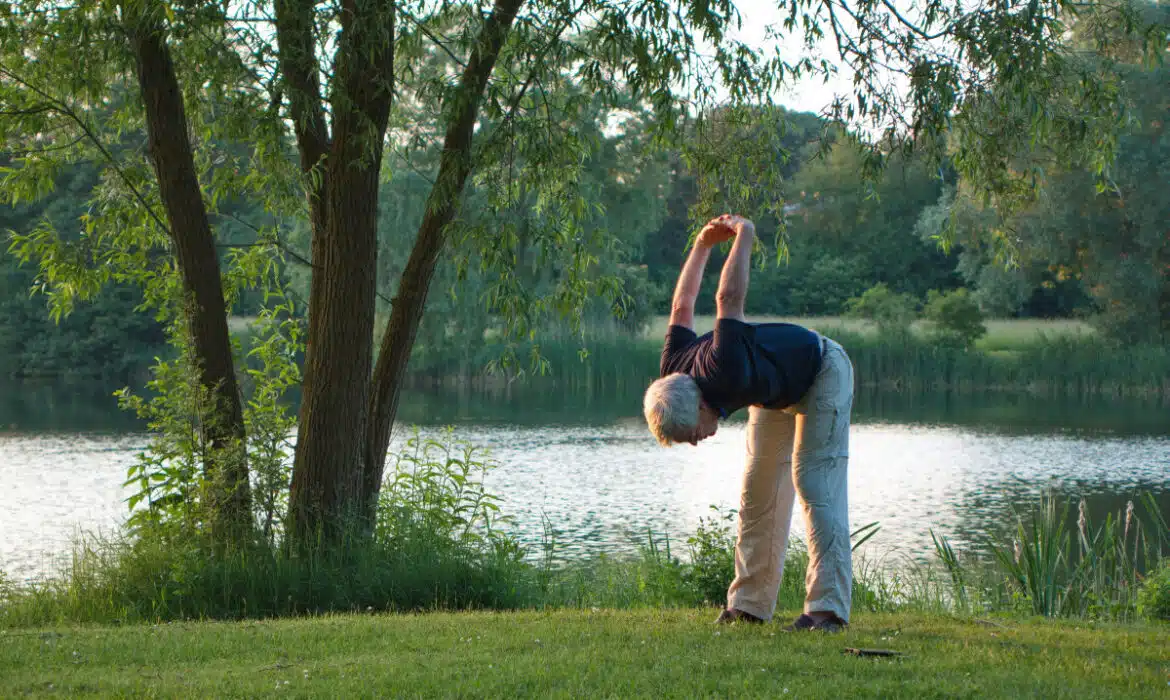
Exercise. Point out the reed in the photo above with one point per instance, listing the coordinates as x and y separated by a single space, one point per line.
1052 566
1066 365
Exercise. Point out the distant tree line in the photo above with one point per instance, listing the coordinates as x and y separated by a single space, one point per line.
1091 247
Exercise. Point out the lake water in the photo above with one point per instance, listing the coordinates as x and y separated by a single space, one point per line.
957 464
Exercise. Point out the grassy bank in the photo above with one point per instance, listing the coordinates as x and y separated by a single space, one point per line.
598 653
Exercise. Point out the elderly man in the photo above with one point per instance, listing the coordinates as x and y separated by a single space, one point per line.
798 386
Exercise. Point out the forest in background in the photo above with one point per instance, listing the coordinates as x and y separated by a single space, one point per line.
1085 250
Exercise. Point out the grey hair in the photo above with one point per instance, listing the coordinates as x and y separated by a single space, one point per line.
671 406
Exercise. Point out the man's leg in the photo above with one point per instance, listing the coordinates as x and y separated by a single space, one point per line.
820 469
765 513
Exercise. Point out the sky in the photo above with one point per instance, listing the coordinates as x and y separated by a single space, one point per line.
813 93
809 95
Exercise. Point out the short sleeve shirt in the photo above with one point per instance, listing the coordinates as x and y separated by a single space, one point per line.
743 364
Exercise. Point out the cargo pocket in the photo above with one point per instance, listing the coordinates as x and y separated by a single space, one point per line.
828 420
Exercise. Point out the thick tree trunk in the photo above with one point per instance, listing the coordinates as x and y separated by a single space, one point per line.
442 203
182 198
327 472
339 352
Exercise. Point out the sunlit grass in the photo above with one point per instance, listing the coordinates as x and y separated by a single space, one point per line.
587 653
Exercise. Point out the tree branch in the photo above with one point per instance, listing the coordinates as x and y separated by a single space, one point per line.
295 38
62 108
422 28
279 245
46 149
442 203
911 26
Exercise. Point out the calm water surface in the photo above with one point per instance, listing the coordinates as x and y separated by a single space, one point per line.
958 465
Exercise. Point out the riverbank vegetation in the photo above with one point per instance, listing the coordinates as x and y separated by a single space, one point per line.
442 542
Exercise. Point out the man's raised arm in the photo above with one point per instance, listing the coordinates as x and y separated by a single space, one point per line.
686 291
733 282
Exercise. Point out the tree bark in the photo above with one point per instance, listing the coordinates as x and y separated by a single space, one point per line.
328 467
174 165
442 203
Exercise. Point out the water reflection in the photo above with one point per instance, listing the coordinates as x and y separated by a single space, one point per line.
49 407
62 407
960 482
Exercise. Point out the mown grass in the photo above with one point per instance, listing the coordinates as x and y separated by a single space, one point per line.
587 653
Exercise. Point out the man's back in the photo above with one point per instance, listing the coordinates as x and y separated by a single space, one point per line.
740 364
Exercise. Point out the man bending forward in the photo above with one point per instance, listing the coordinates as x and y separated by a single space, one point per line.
798 387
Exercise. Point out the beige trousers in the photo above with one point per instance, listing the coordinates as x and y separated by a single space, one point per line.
802 449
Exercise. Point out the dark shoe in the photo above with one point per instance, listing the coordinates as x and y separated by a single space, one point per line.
805 623
732 615
831 626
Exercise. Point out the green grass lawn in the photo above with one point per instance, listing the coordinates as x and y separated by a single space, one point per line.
603 653
1002 334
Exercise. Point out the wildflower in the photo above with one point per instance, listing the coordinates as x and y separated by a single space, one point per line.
1128 518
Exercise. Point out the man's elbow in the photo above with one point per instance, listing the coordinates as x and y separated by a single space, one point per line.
732 298
684 306
730 305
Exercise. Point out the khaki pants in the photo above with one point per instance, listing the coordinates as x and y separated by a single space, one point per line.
803 449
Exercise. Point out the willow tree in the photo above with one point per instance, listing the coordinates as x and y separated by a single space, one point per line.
320 90
1104 230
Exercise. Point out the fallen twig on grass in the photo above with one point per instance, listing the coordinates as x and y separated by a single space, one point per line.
872 652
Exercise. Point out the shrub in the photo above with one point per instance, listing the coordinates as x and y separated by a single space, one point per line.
955 319
712 550
892 312
1154 596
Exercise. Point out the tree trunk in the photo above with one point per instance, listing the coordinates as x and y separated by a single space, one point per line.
174 164
442 203
328 467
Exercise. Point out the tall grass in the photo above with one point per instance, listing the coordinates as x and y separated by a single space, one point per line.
1002 334
1059 366
141 580
1052 566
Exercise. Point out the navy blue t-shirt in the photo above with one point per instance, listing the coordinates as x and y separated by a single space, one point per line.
744 364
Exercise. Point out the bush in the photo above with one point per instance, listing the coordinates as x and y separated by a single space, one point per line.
955 319
712 550
1154 596
892 312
